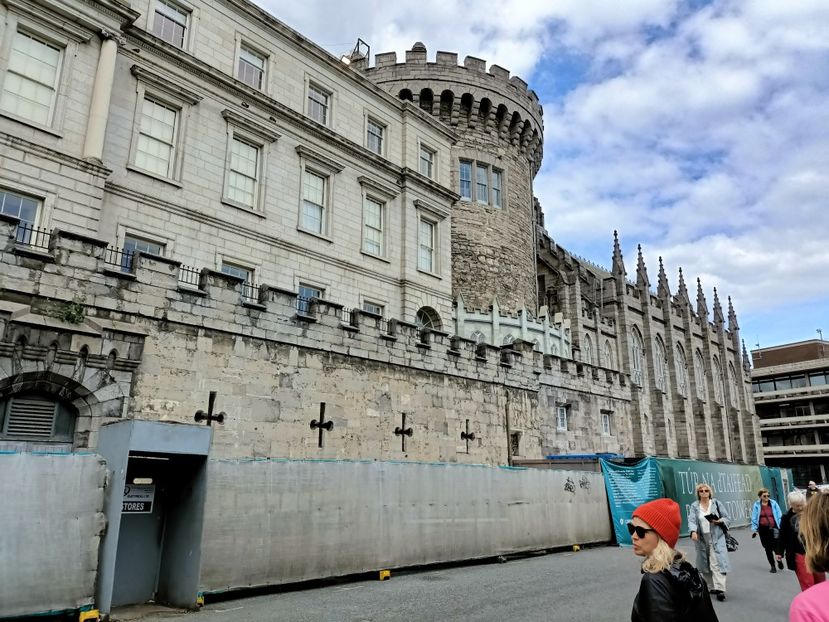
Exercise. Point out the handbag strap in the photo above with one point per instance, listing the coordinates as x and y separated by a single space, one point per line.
719 511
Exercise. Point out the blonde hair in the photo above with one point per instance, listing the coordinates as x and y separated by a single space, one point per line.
661 558
814 531
704 485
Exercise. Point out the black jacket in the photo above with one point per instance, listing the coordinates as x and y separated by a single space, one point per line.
677 594
789 542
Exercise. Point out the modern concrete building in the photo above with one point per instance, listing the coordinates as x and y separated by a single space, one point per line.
791 395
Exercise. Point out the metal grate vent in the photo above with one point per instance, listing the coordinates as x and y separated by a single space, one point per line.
31 417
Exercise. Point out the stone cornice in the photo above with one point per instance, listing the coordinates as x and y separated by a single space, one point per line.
238 89
432 209
250 125
382 189
320 159
56 156
411 176
56 16
159 82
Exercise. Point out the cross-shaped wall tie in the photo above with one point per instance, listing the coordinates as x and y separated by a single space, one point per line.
403 432
209 416
467 436
322 424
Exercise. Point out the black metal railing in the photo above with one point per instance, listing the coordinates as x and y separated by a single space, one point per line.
250 292
346 316
28 235
303 305
119 258
189 276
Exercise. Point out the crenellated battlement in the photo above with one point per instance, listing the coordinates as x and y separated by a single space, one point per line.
465 94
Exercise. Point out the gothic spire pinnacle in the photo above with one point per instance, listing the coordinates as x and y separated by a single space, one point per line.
746 359
662 290
618 261
641 271
682 290
702 306
732 317
718 316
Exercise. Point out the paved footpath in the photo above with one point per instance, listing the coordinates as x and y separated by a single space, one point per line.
594 585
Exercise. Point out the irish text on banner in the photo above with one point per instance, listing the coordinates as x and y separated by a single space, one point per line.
627 488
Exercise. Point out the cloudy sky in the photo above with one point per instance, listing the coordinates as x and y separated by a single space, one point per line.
699 129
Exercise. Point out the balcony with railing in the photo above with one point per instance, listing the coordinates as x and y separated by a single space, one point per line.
790 423
801 451
29 236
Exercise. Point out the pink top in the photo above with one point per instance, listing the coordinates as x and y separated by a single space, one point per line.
811 605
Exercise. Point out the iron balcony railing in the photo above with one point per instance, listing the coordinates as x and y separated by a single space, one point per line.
189 276
119 258
27 234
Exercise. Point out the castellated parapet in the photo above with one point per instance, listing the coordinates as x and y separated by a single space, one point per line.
153 346
499 124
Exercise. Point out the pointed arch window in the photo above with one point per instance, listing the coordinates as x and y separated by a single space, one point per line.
681 371
718 382
732 385
607 355
637 355
588 350
699 375
661 364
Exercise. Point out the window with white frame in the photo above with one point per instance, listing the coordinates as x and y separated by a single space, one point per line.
373 223
681 371
481 183
607 423
427 317
699 374
314 189
31 83
156 145
19 205
478 337
465 175
488 185
426 245
373 307
170 22
561 418
133 244
243 172
251 67
318 103
497 181
237 270
375 133
508 340
427 161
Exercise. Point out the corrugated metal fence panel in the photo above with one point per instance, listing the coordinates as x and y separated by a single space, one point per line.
272 522
51 521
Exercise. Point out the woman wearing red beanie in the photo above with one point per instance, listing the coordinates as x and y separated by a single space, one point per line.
671 588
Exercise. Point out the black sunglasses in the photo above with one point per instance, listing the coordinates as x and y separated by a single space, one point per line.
640 531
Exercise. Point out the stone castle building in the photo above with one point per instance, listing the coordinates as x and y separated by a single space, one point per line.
194 198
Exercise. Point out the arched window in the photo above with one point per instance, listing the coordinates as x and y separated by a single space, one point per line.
587 350
718 381
478 337
732 386
607 355
699 374
681 371
537 345
427 317
36 417
661 363
508 339
637 353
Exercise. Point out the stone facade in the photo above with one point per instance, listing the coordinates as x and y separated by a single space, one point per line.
397 295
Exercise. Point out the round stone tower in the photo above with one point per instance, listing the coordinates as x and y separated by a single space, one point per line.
500 129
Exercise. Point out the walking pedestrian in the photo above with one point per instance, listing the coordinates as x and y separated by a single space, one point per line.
671 588
812 605
791 544
765 520
708 522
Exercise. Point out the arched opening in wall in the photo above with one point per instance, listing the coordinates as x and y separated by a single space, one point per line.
427 100
501 116
427 317
699 375
637 355
718 381
587 350
447 100
515 124
36 417
508 340
484 109
732 385
537 345
607 355
526 132
661 361
466 105
478 337
406 95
